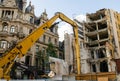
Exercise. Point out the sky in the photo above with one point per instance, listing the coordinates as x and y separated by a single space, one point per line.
72 8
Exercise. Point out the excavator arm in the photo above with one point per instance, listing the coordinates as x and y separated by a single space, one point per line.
20 50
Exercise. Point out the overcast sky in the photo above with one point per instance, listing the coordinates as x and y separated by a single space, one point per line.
72 8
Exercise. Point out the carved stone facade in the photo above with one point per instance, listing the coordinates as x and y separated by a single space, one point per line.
16 22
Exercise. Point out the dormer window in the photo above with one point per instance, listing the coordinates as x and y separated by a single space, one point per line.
20 4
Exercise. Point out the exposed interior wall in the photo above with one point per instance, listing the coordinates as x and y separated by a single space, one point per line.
99 41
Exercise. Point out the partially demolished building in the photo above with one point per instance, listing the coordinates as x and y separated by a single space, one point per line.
102 39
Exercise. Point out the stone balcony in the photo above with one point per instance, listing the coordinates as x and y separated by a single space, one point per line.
4 33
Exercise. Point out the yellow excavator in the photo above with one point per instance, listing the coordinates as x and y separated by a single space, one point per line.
8 59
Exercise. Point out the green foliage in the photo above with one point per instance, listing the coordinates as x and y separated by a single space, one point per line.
42 56
51 50
43 60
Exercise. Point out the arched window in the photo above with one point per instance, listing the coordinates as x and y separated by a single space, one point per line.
3 44
12 29
5 26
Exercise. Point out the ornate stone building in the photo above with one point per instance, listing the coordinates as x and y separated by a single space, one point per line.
16 22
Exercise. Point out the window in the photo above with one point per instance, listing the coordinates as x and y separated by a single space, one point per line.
27 60
44 38
43 50
31 19
81 44
37 48
55 41
49 40
2 13
12 29
7 14
5 27
51 29
56 30
3 44
8 45
21 30
30 31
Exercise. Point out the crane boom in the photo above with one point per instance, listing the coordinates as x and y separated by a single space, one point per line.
23 46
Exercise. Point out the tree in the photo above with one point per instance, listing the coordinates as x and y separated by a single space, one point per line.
51 50
43 62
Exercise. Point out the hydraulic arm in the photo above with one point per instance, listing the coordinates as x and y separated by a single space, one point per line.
7 61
